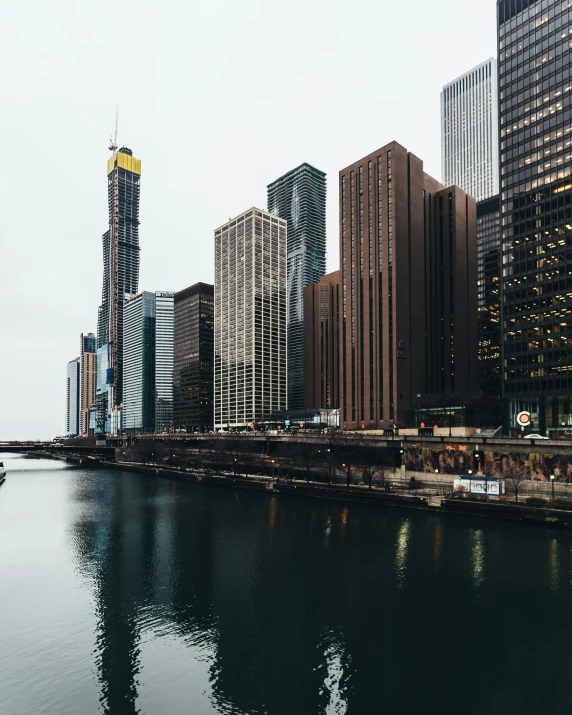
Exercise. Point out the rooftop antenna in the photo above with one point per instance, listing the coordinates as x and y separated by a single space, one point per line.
113 139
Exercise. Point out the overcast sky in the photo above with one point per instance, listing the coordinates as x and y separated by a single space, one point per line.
217 99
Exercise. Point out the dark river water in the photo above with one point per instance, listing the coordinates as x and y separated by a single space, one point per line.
123 594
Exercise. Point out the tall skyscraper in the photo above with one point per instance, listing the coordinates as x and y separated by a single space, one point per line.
148 363
488 287
469 132
409 289
193 378
322 302
535 85
88 379
470 159
72 398
299 197
164 355
120 278
250 319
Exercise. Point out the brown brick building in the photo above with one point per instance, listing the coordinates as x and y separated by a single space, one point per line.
408 294
322 342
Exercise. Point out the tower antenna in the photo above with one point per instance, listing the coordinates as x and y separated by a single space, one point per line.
113 139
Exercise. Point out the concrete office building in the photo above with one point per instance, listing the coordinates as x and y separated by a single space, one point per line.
408 290
148 363
322 342
164 355
193 373
250 319
535 93
88 379
470 159
469 132
299 197
72 427
120 278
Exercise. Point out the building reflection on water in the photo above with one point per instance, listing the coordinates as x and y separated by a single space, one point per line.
294 607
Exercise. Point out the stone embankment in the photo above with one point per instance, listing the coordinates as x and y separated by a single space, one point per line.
361 494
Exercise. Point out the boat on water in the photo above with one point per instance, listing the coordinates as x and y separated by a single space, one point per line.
2 473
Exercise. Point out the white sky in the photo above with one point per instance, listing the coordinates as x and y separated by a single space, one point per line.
217 99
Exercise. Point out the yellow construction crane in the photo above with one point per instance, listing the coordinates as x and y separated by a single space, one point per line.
113 139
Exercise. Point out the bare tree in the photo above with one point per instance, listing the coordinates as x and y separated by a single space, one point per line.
287 463
516 475
327 455
142 451
487 474
369 471
248 454
306 453
347 469
370 465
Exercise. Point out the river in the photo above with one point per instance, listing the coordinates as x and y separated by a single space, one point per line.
125 594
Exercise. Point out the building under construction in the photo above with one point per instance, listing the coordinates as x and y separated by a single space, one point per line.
120 278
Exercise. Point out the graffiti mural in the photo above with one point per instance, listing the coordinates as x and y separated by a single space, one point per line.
452 460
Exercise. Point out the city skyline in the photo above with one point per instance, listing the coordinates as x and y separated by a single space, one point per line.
321 131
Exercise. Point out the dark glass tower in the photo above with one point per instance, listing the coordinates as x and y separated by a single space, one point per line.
139 363
535 91
300 197
120 277
148 363
193 378
488 267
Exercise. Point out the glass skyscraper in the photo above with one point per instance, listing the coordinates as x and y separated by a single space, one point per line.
193 373
148 363
120 278
299 197
250 319
535 116
488 295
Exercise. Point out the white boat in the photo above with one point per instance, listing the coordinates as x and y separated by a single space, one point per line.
2 473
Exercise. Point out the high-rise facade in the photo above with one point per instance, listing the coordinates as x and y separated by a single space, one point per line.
72 427
409 289
139 364
488 288
148 363
193 375
250 319
535 119
299 197
469 132
164 355
88 379
470 159
120 278
322 342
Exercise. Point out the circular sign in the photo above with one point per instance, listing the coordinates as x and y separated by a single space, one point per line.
523 419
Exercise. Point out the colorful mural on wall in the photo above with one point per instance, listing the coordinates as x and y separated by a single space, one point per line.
452 461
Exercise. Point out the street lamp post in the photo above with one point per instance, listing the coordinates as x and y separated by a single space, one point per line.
552 478
272 469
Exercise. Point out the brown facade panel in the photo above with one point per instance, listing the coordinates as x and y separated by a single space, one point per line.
322 342
407 289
